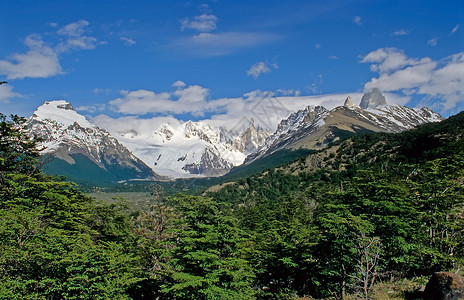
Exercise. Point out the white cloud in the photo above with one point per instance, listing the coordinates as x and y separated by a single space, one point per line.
202 23
6 93
191 99
455 28
91 108
264 107
127 41
179 84
258 69
142 102
233 39
441 80
313 87
289 92
41 61
357 20
75 38
145 126
102 91
74 29
406 78
82 42
204 8
447 81
401 32
432 42
387 60
217 44
261 68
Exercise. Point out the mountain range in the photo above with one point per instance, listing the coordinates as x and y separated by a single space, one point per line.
316 127
81 151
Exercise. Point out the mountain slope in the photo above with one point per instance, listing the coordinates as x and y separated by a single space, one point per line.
316 127
80 150
401 193
387 153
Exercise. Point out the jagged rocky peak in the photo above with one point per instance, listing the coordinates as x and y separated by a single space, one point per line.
165 131
202 130
252 138
349 102
255 129
312 113
372 99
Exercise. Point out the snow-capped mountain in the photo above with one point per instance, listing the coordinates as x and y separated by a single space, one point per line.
315 127
177 149
69 137
193 149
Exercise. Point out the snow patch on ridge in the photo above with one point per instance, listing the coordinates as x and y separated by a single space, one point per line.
62 112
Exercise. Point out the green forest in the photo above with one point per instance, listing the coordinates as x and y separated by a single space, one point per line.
372 210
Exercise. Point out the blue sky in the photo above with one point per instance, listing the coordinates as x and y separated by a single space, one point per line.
115 60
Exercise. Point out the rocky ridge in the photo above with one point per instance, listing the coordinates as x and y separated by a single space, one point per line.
315 127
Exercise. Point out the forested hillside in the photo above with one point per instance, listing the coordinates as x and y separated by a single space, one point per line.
372 207
369 209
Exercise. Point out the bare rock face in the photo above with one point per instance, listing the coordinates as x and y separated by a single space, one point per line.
349 102
444 285
372 99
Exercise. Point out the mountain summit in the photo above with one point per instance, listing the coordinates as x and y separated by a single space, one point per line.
80 150
372 99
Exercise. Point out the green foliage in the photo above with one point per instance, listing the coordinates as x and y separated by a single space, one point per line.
206 259
384 206
55 243
438 194
380 206
52 264
283 238
273 160
18 151
337 250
